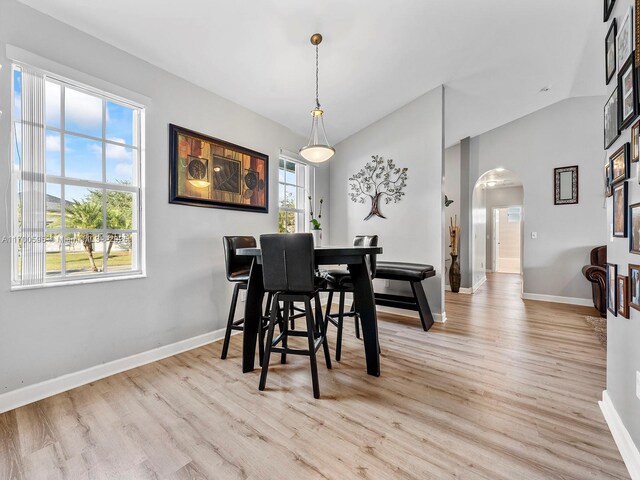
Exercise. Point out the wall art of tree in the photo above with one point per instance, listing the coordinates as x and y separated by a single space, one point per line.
379 180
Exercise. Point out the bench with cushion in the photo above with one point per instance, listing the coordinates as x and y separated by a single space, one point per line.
413 273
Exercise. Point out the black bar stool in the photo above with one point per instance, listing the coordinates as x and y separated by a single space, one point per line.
238 268
288 267
340 281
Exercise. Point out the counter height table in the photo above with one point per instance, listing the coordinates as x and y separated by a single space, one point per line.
354 258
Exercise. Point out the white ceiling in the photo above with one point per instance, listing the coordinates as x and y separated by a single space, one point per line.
499 178
377 55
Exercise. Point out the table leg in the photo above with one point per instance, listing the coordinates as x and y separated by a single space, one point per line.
252 316
366 307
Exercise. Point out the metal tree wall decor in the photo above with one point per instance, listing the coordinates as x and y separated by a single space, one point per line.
379 178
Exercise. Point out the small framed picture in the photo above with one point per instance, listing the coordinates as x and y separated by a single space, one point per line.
608 8
634 228
623 297
565 185
620 204
612 290
627 90
610 51
620 164
624 39
634 286
607 180
635 142
611 126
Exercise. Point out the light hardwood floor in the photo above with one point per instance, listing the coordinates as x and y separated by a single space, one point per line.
505 389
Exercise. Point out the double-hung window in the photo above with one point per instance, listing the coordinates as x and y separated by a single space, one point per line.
76 181
294 187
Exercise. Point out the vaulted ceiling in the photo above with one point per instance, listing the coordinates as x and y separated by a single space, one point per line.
493 56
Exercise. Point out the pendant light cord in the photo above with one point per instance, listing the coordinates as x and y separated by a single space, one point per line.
317 101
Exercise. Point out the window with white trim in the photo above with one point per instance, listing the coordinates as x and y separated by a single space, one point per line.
76 181
294 188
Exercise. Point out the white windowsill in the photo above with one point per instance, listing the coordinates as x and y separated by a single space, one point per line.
79 281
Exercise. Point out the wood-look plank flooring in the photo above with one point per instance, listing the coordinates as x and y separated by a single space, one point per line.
505 389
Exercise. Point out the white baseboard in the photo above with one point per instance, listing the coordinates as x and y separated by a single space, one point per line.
585 302
627 448
466 290
48 388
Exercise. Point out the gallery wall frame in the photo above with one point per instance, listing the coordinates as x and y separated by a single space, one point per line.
612 290
620 210
611 120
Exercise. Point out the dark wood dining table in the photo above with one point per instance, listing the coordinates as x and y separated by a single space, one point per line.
354 258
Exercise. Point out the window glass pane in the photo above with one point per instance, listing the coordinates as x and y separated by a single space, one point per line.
83 207
82 158
53 258
119 210
119 251
290 197
83 113
17 95
281 171
52 154
17 157
83 253
290 174
119 164
120 123
290 222
53 206
52 94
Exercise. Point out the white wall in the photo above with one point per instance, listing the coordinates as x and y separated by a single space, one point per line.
567 133
623 335
478 239
452 190
498 198
412 136
49 332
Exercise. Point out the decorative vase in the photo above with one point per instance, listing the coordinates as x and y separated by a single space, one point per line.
317 237
454 274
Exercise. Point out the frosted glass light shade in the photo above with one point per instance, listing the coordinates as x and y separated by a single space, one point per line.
318 149
317 153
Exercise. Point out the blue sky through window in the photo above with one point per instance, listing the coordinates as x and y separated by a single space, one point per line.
82 158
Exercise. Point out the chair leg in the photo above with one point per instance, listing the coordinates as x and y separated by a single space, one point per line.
322 328
267 350
232 313
329 302
285 331
340 322
357 320
261 342
312 350
293 320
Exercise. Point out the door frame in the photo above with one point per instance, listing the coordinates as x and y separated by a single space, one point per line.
496 236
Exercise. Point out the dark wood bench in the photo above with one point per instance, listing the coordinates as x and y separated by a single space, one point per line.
413 273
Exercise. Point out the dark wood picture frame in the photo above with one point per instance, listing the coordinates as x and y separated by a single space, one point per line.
637 25
560 189
195 159
607 180
611 121
625 40
620 210
635 142
620 164
627 80
608 8
612 288
634 286
610 52
622 302
634 228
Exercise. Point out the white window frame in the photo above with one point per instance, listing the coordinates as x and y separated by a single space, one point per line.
308 174
138 260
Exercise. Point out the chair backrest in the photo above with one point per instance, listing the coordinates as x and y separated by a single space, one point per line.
288 262
237 264
368 241
599 256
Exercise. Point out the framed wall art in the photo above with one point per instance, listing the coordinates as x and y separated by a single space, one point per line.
627 106
634 286
610 52
637 12
611 125
607 180
207 172
635 142
608 8
565 185
620 207
623 297
612 290
620 164
624 39
634 228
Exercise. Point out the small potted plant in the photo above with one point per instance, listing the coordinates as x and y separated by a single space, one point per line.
316 226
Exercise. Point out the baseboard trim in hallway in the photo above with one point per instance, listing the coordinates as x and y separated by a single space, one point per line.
584 302
48 388
627 448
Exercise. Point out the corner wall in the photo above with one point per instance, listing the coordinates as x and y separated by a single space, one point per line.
412 231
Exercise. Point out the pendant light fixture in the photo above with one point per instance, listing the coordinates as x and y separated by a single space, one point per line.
318 149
